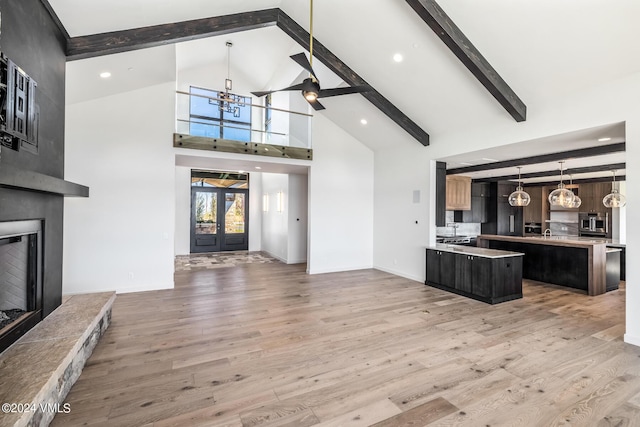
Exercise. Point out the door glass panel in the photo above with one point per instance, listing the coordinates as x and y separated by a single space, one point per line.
206 212
234 213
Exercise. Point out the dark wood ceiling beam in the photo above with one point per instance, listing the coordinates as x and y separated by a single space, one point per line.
567 172
544 158
576 181
158 35
301 36
433 15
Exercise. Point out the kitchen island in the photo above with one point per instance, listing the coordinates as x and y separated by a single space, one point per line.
487 275
562 260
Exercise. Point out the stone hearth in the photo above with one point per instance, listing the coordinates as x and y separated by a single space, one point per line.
43 364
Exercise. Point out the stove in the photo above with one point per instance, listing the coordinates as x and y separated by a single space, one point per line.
453 240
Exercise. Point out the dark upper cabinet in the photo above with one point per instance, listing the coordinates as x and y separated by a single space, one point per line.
502 218
441 194
480 192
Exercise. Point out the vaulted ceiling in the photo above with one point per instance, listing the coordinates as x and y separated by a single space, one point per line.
543 50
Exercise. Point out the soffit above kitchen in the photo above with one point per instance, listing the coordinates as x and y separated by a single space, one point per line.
598 151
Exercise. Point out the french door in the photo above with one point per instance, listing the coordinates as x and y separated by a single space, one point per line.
219 219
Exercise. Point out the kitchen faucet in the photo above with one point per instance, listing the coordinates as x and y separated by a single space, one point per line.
454 226
545 232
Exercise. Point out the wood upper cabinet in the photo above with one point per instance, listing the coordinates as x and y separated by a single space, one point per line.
533 212
458 193
591 195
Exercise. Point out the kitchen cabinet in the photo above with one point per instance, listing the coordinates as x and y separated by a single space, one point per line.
488 277
472 275
441 268
574 263
533 212
441 194
479 200
458 193
502 218
591 195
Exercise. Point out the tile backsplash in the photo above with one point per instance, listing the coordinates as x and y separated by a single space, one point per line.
464 228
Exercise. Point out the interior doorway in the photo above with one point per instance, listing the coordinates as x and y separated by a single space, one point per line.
219 211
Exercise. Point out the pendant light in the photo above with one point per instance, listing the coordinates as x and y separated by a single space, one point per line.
614 199
519 197
561 196
577 201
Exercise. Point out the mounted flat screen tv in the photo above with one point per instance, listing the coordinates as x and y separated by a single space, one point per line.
19 113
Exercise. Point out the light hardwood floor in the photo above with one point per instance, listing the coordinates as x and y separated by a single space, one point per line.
268 345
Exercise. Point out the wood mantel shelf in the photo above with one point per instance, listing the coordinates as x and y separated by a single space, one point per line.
580 264
12 177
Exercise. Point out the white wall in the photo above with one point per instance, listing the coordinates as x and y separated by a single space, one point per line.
255 211
297 219
395 213
182 243
274 222
121 237
340 201
399 240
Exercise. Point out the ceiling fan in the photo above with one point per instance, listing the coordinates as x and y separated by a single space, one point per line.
310 86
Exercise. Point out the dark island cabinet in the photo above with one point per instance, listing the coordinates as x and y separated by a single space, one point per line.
443 267
491 280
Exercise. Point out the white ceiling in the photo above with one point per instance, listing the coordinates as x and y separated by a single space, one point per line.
554 144
544 50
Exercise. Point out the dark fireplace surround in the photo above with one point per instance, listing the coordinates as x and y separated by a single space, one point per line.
32 184
20 278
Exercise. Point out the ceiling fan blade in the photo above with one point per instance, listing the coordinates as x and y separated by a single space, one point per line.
316 105
302 60
299 86
325 93
259 94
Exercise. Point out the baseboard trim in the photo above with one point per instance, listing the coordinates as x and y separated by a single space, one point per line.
398 273
338 270
629 339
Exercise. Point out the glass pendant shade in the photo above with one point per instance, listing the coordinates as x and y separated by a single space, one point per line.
519 197
577 201
614 200
561 197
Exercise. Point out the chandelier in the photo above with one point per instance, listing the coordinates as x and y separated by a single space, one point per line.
229 102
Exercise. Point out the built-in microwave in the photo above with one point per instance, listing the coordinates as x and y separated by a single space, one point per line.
593 224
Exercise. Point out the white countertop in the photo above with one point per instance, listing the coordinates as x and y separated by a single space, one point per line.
470 250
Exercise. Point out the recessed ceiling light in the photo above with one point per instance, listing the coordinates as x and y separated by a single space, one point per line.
105 75
489 160
258 167
398 57
364 121
466 163
604 139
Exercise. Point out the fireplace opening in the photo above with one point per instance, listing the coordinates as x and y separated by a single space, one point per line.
20 279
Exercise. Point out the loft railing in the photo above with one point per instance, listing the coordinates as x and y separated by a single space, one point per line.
234 120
